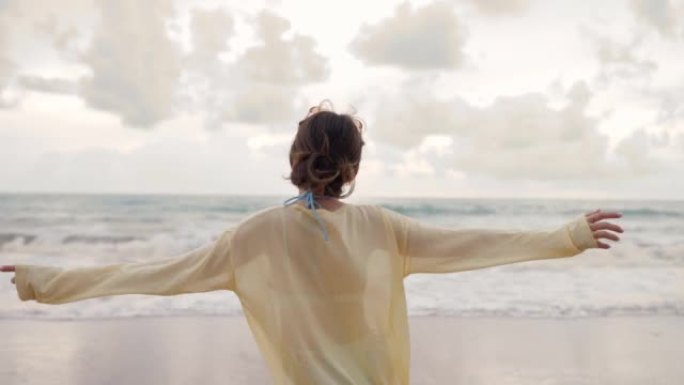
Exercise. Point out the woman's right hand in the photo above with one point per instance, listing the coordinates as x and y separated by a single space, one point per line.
601 229
8 269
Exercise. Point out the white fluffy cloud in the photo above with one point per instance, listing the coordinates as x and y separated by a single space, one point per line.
636 149
48 85
666 16
6 65
427 37
423 159
262 103
131 63
207 81
261 85
280 60
210 31
38 25
500 7
671 113
135 65
514 137
59 146
619 58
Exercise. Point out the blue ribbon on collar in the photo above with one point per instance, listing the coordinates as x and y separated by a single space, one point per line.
310 203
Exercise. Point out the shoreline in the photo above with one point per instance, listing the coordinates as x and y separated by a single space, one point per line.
217 349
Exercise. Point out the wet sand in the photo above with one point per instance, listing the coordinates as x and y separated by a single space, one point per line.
469 351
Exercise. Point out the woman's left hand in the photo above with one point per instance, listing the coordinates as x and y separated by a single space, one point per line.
8 269
601 229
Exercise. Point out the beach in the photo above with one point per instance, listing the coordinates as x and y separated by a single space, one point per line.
211 350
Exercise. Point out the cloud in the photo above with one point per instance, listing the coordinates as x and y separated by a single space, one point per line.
49 85
277 60
633 59
210 31
663 15
261 85
6 64
58 146
680 142
62 24
261 103
634 150
423 159
429 37
66 36
40 26
619 59
671 109
500 7
135 65
126 59
515 137
521 137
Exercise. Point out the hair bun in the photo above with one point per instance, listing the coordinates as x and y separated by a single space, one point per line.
322 169
326 152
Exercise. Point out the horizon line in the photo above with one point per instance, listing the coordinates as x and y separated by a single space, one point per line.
408 197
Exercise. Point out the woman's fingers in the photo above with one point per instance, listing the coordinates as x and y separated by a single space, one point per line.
602 245
606 226
605 234
598 215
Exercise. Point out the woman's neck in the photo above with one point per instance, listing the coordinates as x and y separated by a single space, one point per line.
328 203
317 193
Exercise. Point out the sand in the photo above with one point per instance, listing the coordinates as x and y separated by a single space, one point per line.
471 351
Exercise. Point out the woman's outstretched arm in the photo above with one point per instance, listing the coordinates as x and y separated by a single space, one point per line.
434 249
203 269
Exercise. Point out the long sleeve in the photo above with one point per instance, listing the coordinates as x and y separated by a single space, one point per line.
434 249
203 269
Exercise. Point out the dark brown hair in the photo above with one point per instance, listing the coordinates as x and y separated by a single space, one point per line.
326 151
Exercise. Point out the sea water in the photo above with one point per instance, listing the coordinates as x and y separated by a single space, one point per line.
643 274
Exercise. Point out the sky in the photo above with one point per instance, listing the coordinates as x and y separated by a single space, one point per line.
469 98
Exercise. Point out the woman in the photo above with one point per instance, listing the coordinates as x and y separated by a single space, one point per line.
321 281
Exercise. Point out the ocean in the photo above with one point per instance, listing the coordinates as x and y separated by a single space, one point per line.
643 274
